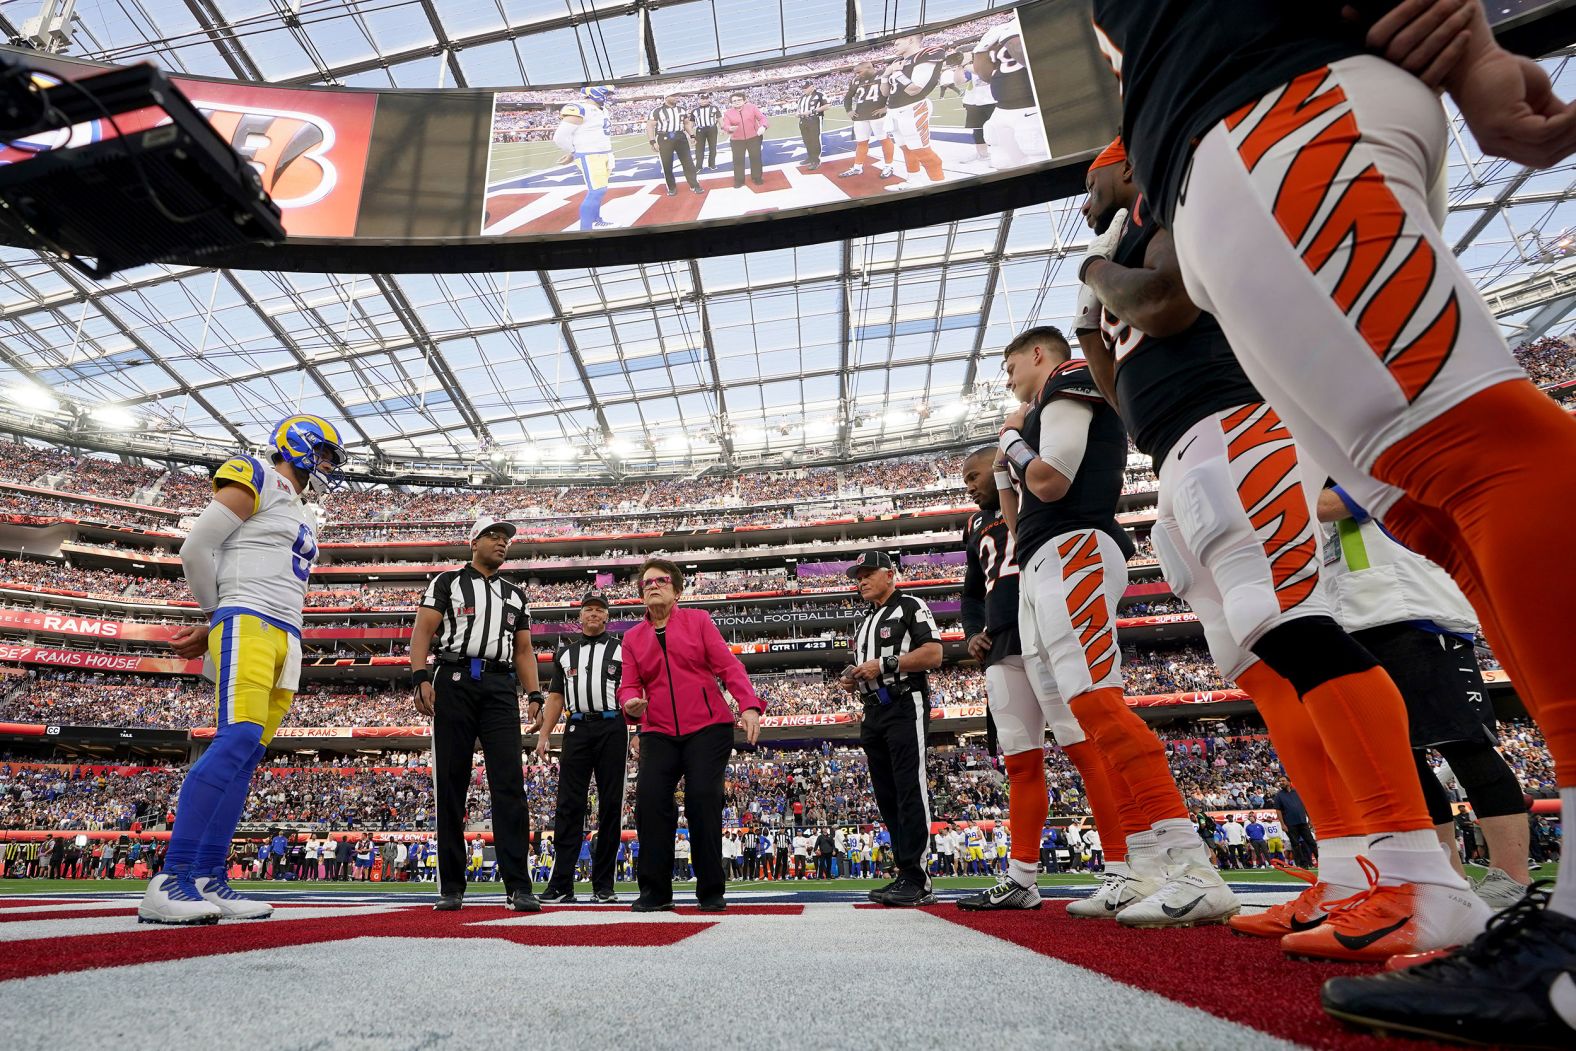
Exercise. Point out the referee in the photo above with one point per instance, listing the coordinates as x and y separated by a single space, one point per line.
812 103
476 625
895 645
706 117
668 131
586 673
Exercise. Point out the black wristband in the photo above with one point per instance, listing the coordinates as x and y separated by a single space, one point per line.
420 676
534 697
889 665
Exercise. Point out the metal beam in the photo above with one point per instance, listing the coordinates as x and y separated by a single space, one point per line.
1497 208
449 51
568 336
998 256
213 23
725 437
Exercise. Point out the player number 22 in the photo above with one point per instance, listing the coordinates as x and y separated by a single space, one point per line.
303 553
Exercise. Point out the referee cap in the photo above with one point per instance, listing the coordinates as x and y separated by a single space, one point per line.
484 523
871 560
594 597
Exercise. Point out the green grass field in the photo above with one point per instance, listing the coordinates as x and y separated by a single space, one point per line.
511 160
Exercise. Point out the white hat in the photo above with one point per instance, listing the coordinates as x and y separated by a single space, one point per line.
484 523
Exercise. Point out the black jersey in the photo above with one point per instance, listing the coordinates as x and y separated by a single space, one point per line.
1090 502
1185 65
1166 385
1010 82
865 98
923 69
990 586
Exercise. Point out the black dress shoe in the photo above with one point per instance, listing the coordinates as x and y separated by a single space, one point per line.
557 897
605 897
646 906
713 906
449 903
524 901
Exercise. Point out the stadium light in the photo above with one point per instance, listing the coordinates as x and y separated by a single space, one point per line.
32 396
956 411
114 417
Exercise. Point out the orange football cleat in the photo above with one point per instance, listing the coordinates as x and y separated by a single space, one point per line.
1302 913
1383 921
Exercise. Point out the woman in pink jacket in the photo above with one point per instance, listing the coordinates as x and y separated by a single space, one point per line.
672 663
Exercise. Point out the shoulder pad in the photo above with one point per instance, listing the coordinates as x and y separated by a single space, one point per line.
572 109
932 54
1072 380
241 470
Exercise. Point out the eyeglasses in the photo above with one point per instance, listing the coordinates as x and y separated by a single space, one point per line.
656 582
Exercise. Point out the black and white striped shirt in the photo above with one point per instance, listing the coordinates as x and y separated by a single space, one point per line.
480 615
706 116
669 120
586 671
897 626
811 105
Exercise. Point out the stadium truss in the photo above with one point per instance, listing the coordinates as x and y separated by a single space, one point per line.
851 349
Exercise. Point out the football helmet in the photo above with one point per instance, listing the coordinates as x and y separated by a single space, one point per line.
310 444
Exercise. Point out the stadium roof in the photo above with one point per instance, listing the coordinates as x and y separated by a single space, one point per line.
846 349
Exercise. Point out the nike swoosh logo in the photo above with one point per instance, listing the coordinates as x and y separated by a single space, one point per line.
1359 942
1375 842
1177 914
1186 447
1299 924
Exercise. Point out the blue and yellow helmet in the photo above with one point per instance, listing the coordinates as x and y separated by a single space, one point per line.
310 444
598 93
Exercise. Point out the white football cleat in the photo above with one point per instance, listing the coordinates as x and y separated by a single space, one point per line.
886 172
858 169
1191 895
172 900
1117 891
1498 890
216 890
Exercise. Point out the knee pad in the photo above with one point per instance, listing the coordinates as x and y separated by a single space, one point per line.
1488 781
232 752
1311 651
1173 564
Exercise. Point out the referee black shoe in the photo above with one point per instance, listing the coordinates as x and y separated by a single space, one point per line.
907 893
713 906
1515 984
673 193
524 901
604 898
557 897
878 895
646 906
449 903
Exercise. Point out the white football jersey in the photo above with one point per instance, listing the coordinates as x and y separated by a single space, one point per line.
265 564
594 133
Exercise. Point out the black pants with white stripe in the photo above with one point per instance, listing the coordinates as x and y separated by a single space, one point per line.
893 737
595 748
465 710
701 759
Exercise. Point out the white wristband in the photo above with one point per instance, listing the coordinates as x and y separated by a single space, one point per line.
1004 481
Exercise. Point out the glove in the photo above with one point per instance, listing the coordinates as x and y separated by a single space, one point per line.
1104 246
1086 318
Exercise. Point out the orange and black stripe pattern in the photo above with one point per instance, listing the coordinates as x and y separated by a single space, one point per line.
1272 495
1337 210
1083 571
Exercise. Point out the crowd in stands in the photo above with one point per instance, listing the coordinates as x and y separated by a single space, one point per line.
92 581
31 505
1170 669
1548 360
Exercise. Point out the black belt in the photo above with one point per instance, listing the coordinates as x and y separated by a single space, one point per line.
576 717
487 667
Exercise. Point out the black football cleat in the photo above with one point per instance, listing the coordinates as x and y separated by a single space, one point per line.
524 901
907 893
449 903
1514 985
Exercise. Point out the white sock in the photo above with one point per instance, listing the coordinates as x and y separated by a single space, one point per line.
1023 873
1411 857
1338 862
1563 899
1118 868
1178 840
1144 856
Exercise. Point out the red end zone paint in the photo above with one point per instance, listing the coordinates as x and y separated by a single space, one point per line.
40 956
1247 980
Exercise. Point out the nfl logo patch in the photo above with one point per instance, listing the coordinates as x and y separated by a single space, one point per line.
455 676
886 633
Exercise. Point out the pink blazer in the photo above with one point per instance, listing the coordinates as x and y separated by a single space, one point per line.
681 682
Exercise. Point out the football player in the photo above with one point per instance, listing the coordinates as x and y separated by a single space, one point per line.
865 101
911 77
1014 132
1066 453
585 134
247 560
1020 710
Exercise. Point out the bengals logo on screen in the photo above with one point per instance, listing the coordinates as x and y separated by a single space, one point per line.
288 149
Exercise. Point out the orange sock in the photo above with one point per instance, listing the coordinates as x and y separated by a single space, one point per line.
910 162
1133 751
886 149
1114 813
931 162
861 152
1361 719
1028 803
1490 463
1302 753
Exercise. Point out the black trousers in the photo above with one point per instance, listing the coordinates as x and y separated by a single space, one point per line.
706 147
595 748
810 132
1303 845
677 145
893 737
465 711
742 149
700 758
